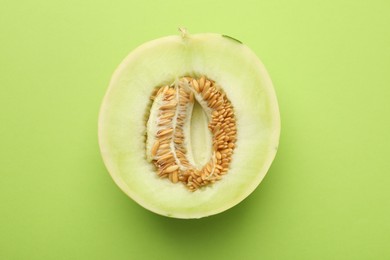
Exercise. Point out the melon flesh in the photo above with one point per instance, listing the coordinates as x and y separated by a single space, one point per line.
124 112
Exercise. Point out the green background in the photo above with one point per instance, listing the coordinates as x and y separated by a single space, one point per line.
326 196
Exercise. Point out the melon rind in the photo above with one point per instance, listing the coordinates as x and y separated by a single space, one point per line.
122 125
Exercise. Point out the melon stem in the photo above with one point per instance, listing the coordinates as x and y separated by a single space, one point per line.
183 31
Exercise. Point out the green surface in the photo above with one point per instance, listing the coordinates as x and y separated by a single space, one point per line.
326 196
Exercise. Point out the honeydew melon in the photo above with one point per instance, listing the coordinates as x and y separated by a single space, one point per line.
129 121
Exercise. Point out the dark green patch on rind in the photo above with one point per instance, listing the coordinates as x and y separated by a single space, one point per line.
231 38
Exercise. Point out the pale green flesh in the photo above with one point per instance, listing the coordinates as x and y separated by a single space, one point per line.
200 136
122 124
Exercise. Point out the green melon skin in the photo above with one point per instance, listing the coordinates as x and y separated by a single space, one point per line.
122 126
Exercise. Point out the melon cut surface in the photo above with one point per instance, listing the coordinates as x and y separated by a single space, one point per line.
127 121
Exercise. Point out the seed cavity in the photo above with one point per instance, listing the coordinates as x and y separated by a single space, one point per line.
170 150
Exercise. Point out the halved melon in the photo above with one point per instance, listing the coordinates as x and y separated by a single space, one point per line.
189 125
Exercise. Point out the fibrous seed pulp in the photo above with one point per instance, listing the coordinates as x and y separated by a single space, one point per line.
170 151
